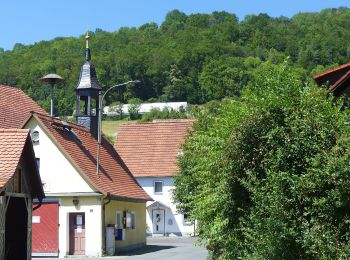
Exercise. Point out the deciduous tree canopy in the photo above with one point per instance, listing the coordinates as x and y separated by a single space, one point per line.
268 176
194 58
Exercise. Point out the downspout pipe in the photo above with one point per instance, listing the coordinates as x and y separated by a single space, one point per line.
108 198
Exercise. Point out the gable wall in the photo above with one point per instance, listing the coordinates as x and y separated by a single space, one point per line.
178 227
56 171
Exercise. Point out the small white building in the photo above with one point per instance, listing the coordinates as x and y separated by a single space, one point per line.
151 152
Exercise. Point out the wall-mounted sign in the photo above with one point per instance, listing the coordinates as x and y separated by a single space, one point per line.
35 219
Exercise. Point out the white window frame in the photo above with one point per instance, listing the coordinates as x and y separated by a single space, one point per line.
154 188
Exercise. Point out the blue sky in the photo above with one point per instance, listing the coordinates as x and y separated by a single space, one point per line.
27 22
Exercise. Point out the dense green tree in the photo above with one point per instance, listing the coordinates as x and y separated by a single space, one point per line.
267 176
194 58
225 77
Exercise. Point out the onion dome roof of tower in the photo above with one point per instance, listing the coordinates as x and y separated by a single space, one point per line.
88 78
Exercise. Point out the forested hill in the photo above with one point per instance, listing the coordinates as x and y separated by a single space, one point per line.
198 57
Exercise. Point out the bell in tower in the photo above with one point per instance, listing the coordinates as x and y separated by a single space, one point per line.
88 94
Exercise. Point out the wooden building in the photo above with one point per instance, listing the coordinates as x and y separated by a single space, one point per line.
19 184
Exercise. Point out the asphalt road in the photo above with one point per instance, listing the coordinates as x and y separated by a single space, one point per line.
169 248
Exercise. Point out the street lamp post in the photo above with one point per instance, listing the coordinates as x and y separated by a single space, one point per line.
52 79
99 126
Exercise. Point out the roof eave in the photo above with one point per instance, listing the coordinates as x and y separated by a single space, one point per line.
126 198
154 176
317 76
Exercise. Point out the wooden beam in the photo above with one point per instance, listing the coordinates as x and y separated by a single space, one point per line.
17 195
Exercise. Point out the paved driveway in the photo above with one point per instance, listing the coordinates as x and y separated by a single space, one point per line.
168 248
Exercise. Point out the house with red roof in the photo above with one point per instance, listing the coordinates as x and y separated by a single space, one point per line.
86 212
19 185
151 151
80 204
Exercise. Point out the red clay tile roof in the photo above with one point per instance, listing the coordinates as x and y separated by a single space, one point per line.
80 147
15 146
15 107
11 148
151 149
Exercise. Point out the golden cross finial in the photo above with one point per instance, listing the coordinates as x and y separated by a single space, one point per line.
87 40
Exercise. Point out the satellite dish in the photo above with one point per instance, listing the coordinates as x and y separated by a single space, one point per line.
35 137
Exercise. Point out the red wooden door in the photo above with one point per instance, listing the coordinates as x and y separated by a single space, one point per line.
77 233
45 230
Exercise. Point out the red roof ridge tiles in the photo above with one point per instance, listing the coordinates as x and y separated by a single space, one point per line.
171 120
80 147
151 149
6 86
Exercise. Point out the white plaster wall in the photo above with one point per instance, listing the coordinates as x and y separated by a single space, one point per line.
178 225
92 208
56 172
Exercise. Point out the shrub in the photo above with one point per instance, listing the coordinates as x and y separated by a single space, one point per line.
268 176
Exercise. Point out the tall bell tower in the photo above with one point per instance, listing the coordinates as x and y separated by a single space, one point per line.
88 94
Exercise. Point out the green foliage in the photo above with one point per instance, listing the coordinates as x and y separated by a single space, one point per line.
267 176
226 76
134 108
195 58
117 107
165 113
